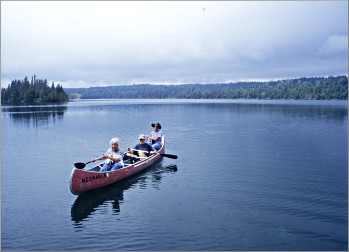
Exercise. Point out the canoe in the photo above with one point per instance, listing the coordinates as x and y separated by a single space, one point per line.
86 180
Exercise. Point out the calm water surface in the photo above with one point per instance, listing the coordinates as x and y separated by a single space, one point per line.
251 175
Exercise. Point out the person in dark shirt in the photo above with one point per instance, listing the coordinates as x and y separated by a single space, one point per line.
142 149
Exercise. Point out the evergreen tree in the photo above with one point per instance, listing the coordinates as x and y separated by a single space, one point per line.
36 91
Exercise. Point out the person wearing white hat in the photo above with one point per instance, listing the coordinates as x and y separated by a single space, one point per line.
144 148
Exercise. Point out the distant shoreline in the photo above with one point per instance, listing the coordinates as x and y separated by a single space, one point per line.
317 88
139 101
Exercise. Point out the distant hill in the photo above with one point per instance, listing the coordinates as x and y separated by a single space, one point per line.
315 88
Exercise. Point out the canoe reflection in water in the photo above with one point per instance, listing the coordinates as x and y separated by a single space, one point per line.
89 202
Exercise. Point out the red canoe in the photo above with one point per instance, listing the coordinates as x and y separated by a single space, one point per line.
87 180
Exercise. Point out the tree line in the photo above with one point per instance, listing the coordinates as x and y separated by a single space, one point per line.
35 91
314 88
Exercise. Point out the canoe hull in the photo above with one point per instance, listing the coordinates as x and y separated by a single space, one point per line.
86 180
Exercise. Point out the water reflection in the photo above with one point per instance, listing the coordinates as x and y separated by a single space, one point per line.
310 111
297 109
325 110
86 204
36 115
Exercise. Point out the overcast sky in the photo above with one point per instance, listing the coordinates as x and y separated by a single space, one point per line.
83 44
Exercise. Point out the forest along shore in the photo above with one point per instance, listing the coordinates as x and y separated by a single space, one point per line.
36 91
319 88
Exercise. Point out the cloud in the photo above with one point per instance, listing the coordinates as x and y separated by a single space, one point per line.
114 42
335 45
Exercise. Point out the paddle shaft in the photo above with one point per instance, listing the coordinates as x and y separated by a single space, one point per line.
164 155
82 165
140 150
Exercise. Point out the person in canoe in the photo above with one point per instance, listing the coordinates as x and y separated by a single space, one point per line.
146 149
113 157
155 136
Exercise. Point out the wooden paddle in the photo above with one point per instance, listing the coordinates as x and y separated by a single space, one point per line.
81 165
164 155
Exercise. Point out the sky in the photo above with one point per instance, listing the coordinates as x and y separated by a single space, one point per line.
96 43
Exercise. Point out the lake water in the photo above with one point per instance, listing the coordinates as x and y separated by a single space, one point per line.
251 175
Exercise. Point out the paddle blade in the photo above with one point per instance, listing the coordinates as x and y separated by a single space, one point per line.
80 165
169 156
